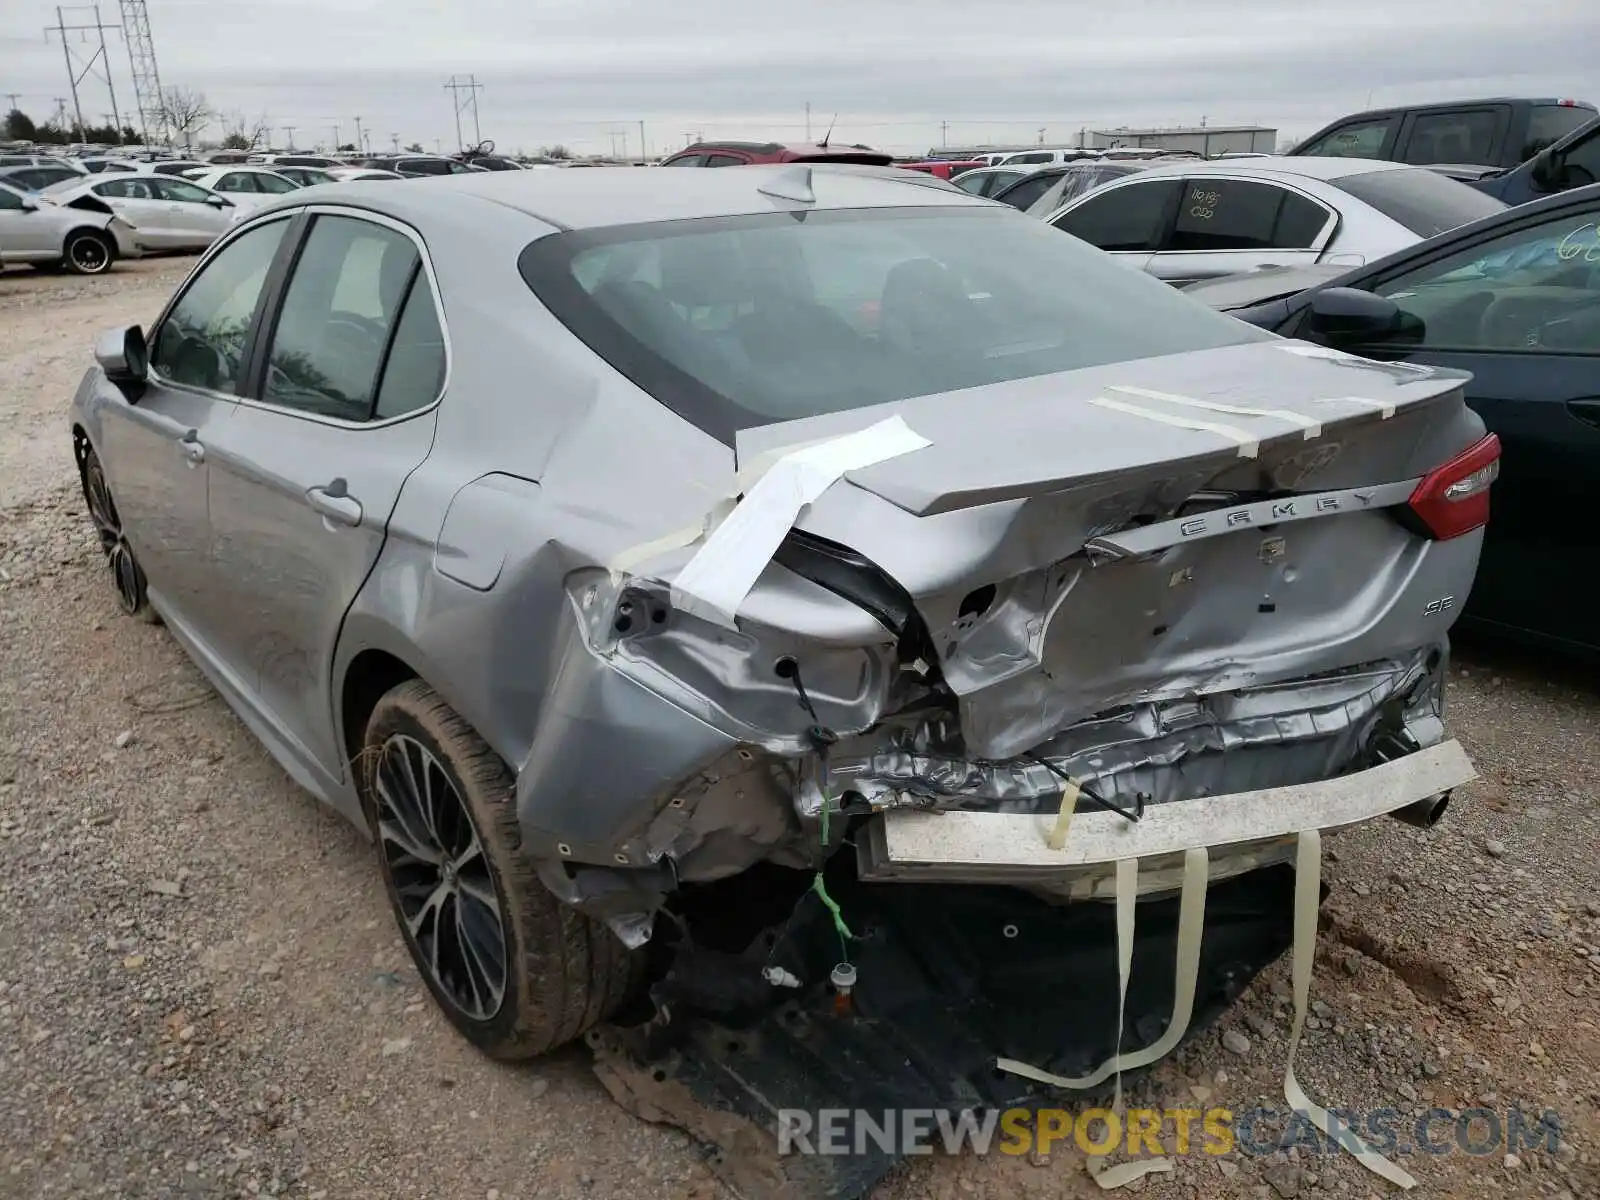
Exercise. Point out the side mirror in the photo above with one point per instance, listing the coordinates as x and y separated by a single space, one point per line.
29 204
1545 171
1350 315
122 355
219 202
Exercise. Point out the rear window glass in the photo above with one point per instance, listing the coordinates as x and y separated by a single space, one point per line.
735 322
1027 192
1549 123
1424 201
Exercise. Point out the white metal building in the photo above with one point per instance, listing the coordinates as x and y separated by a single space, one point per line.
1209 140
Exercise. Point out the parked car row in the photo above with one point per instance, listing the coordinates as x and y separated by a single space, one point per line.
84 221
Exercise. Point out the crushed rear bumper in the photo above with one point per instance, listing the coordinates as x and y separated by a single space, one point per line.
1244 830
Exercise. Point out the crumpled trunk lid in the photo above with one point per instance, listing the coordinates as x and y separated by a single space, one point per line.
1159 528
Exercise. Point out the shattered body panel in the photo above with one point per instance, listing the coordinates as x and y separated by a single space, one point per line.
1136 606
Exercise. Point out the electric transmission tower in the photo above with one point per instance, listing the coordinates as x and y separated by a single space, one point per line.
75 76
471 87
146 76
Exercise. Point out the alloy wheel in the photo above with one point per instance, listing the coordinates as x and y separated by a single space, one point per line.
441 877
108 526
88 255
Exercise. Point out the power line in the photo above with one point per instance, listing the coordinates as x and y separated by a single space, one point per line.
76 76
471 87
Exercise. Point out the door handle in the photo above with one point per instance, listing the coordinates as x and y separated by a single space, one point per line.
1587 411
192 448
335 502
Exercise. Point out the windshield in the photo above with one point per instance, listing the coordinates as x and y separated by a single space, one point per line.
741 321
1424 201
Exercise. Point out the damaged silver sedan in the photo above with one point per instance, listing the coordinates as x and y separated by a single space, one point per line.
705 584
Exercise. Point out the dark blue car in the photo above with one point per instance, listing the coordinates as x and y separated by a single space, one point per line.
1572 162
1515 299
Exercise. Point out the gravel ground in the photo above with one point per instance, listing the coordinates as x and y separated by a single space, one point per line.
202 992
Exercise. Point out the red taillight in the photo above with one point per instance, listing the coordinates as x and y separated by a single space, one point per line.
1454 499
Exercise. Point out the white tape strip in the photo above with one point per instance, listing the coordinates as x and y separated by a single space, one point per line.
1307 897
1186 974
716 580
1362 402
1312 427
1246 441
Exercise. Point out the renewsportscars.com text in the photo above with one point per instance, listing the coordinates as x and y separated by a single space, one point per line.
1161 1131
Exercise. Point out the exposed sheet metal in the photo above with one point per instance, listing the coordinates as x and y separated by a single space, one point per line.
1020 840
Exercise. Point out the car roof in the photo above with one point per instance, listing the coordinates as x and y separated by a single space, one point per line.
1278 168
1439 105
598 199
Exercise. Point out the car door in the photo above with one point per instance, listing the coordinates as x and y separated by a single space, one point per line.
1127 220
304 477
29 231
154 447
1521 311
136 199
1226 225
199 217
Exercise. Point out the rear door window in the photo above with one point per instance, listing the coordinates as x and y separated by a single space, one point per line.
1232 214
1355 139
273 184
1026 192
339 314
1462 136
1130 218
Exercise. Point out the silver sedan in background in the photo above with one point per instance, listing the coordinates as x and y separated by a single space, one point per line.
35 232
169 213
1198 220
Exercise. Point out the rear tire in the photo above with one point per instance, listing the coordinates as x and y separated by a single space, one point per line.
517 981
88 252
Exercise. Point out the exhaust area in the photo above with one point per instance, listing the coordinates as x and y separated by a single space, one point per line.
1424 814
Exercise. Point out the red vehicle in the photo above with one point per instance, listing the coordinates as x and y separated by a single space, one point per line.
942 168
742 154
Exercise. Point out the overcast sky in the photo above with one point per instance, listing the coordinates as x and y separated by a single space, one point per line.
585 72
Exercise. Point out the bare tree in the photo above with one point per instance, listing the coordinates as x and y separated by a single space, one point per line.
245 133
186 113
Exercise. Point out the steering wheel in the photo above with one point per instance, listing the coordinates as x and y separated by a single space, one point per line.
1537 335
367 325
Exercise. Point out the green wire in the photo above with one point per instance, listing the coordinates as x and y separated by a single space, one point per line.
832 905
821 889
